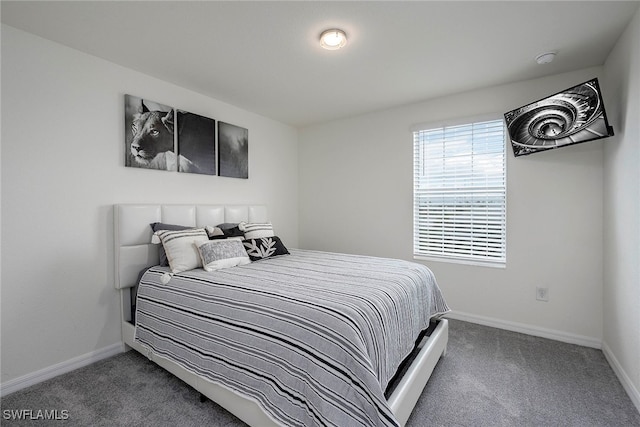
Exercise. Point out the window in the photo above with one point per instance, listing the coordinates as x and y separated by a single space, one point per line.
459 193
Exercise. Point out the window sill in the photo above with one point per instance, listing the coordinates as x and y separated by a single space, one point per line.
475 263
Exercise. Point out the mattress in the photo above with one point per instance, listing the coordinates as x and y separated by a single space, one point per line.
313 337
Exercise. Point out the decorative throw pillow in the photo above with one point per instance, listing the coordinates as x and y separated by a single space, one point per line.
157 226
227 225
215 232
256 230
265 247
219 254
231 229
181 248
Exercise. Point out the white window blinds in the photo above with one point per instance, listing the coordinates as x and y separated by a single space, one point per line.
460 192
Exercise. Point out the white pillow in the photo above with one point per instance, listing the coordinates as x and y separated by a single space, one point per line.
219 254
256 230
181 248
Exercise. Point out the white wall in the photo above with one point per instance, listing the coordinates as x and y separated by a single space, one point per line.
621 86
63 169
356 196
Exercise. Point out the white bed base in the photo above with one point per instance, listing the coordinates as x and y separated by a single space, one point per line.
134 252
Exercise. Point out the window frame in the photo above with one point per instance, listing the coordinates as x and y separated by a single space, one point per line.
452 258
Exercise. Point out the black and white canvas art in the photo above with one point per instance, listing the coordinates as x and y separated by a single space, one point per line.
569 117
149 134
233 149
196 143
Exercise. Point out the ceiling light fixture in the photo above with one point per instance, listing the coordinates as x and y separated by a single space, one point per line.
545 58
333 39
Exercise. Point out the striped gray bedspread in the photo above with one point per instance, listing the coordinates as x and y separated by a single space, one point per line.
313 337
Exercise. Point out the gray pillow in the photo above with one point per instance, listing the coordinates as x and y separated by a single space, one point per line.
219 254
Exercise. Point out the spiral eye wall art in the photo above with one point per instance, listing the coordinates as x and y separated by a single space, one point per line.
569 117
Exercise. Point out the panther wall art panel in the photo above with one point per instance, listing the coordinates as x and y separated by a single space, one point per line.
233 147
149 134
196 143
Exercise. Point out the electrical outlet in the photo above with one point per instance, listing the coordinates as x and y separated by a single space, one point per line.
542 294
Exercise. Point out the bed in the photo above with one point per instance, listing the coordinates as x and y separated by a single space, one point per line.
355 373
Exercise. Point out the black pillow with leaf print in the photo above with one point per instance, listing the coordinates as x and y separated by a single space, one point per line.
265 247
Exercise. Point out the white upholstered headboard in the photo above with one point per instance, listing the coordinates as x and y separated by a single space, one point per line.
133 248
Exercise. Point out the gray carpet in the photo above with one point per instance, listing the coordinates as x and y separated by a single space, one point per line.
489 377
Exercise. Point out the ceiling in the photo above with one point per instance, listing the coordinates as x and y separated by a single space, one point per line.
265 56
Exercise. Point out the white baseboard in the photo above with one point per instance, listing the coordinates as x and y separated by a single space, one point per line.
59 369
527 329
625 380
